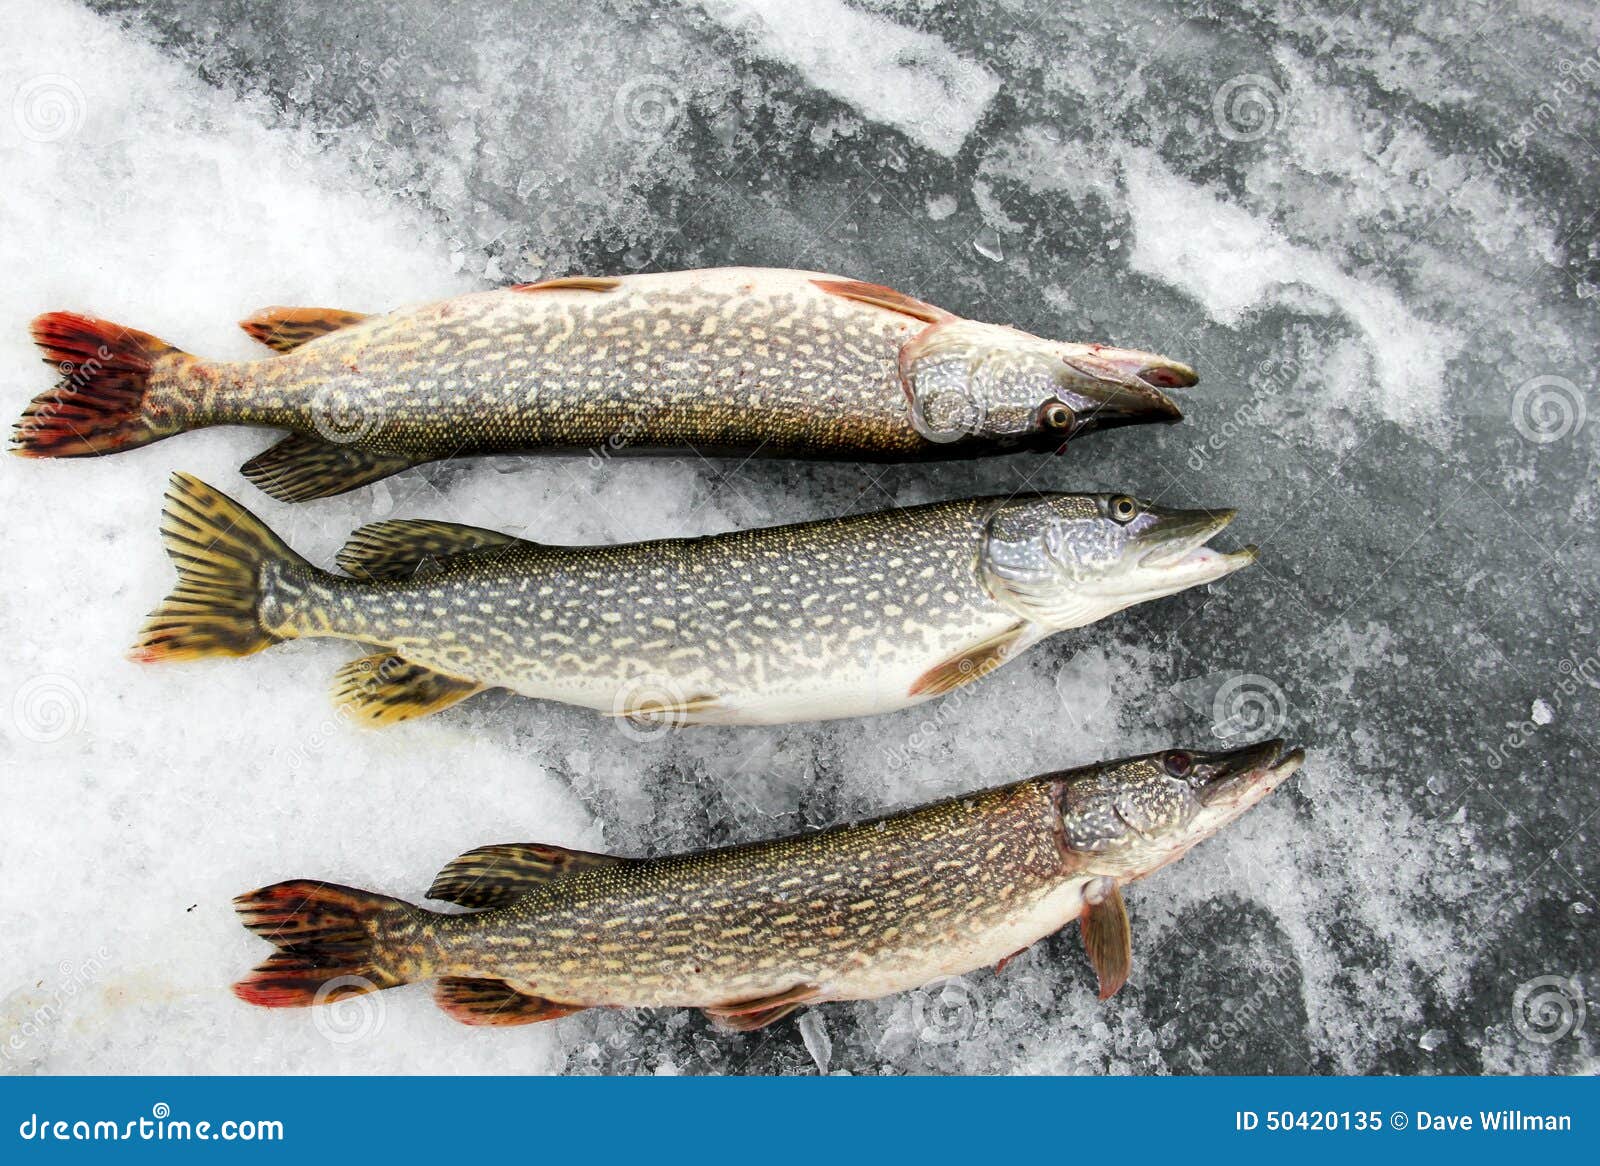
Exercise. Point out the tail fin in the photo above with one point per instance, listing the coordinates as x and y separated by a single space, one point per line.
99 404
328 943
220 550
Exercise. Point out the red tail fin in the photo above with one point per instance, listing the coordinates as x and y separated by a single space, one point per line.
327 937
98 406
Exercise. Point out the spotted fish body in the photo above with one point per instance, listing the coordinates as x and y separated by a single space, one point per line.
751 932
843 617
739 361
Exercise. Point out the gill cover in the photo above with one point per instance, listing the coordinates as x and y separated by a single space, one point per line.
965 379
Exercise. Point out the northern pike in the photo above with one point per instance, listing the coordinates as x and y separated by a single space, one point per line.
731 361
835 618
753 932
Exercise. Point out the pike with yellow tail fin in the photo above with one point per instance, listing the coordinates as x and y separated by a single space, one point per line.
751 933
740 361
838 618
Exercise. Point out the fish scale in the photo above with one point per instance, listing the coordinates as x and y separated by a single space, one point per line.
735 361
666 368
820 610
749 933
864 909
833 618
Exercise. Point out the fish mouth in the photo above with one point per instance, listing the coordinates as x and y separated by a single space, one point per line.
1107 388
1177 544
1241 778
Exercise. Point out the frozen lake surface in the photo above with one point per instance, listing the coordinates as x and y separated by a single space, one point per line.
1376 238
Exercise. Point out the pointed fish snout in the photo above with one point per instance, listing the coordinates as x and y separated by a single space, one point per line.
1121 386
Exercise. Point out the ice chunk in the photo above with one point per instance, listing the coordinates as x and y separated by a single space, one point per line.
814 1032
1190 237
895 75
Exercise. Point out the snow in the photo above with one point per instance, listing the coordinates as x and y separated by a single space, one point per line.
1389 298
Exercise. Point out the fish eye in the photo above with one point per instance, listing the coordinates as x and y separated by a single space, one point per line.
1056 415
1124 509
1178 763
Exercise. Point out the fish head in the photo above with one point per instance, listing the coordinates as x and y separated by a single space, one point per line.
1124 819
970 381
1065 560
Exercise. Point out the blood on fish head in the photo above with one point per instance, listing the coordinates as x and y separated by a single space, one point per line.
966 381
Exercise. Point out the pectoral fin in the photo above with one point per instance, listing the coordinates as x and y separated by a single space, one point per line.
396 548
969 665
884 297
496 1002
286 329
300 468
1106 935
494 875
749 1015
385 689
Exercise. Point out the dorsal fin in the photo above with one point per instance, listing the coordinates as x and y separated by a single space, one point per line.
397 547
594 283
884 297
288 328
493 875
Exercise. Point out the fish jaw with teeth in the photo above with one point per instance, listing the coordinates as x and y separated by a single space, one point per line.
1064 561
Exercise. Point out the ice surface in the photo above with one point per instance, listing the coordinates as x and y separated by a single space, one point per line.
1388 288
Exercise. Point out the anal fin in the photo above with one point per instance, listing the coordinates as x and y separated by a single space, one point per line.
300 468
970 664
749 1015
397 548
495 1002
1107 936
286 329
491 876
385 689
